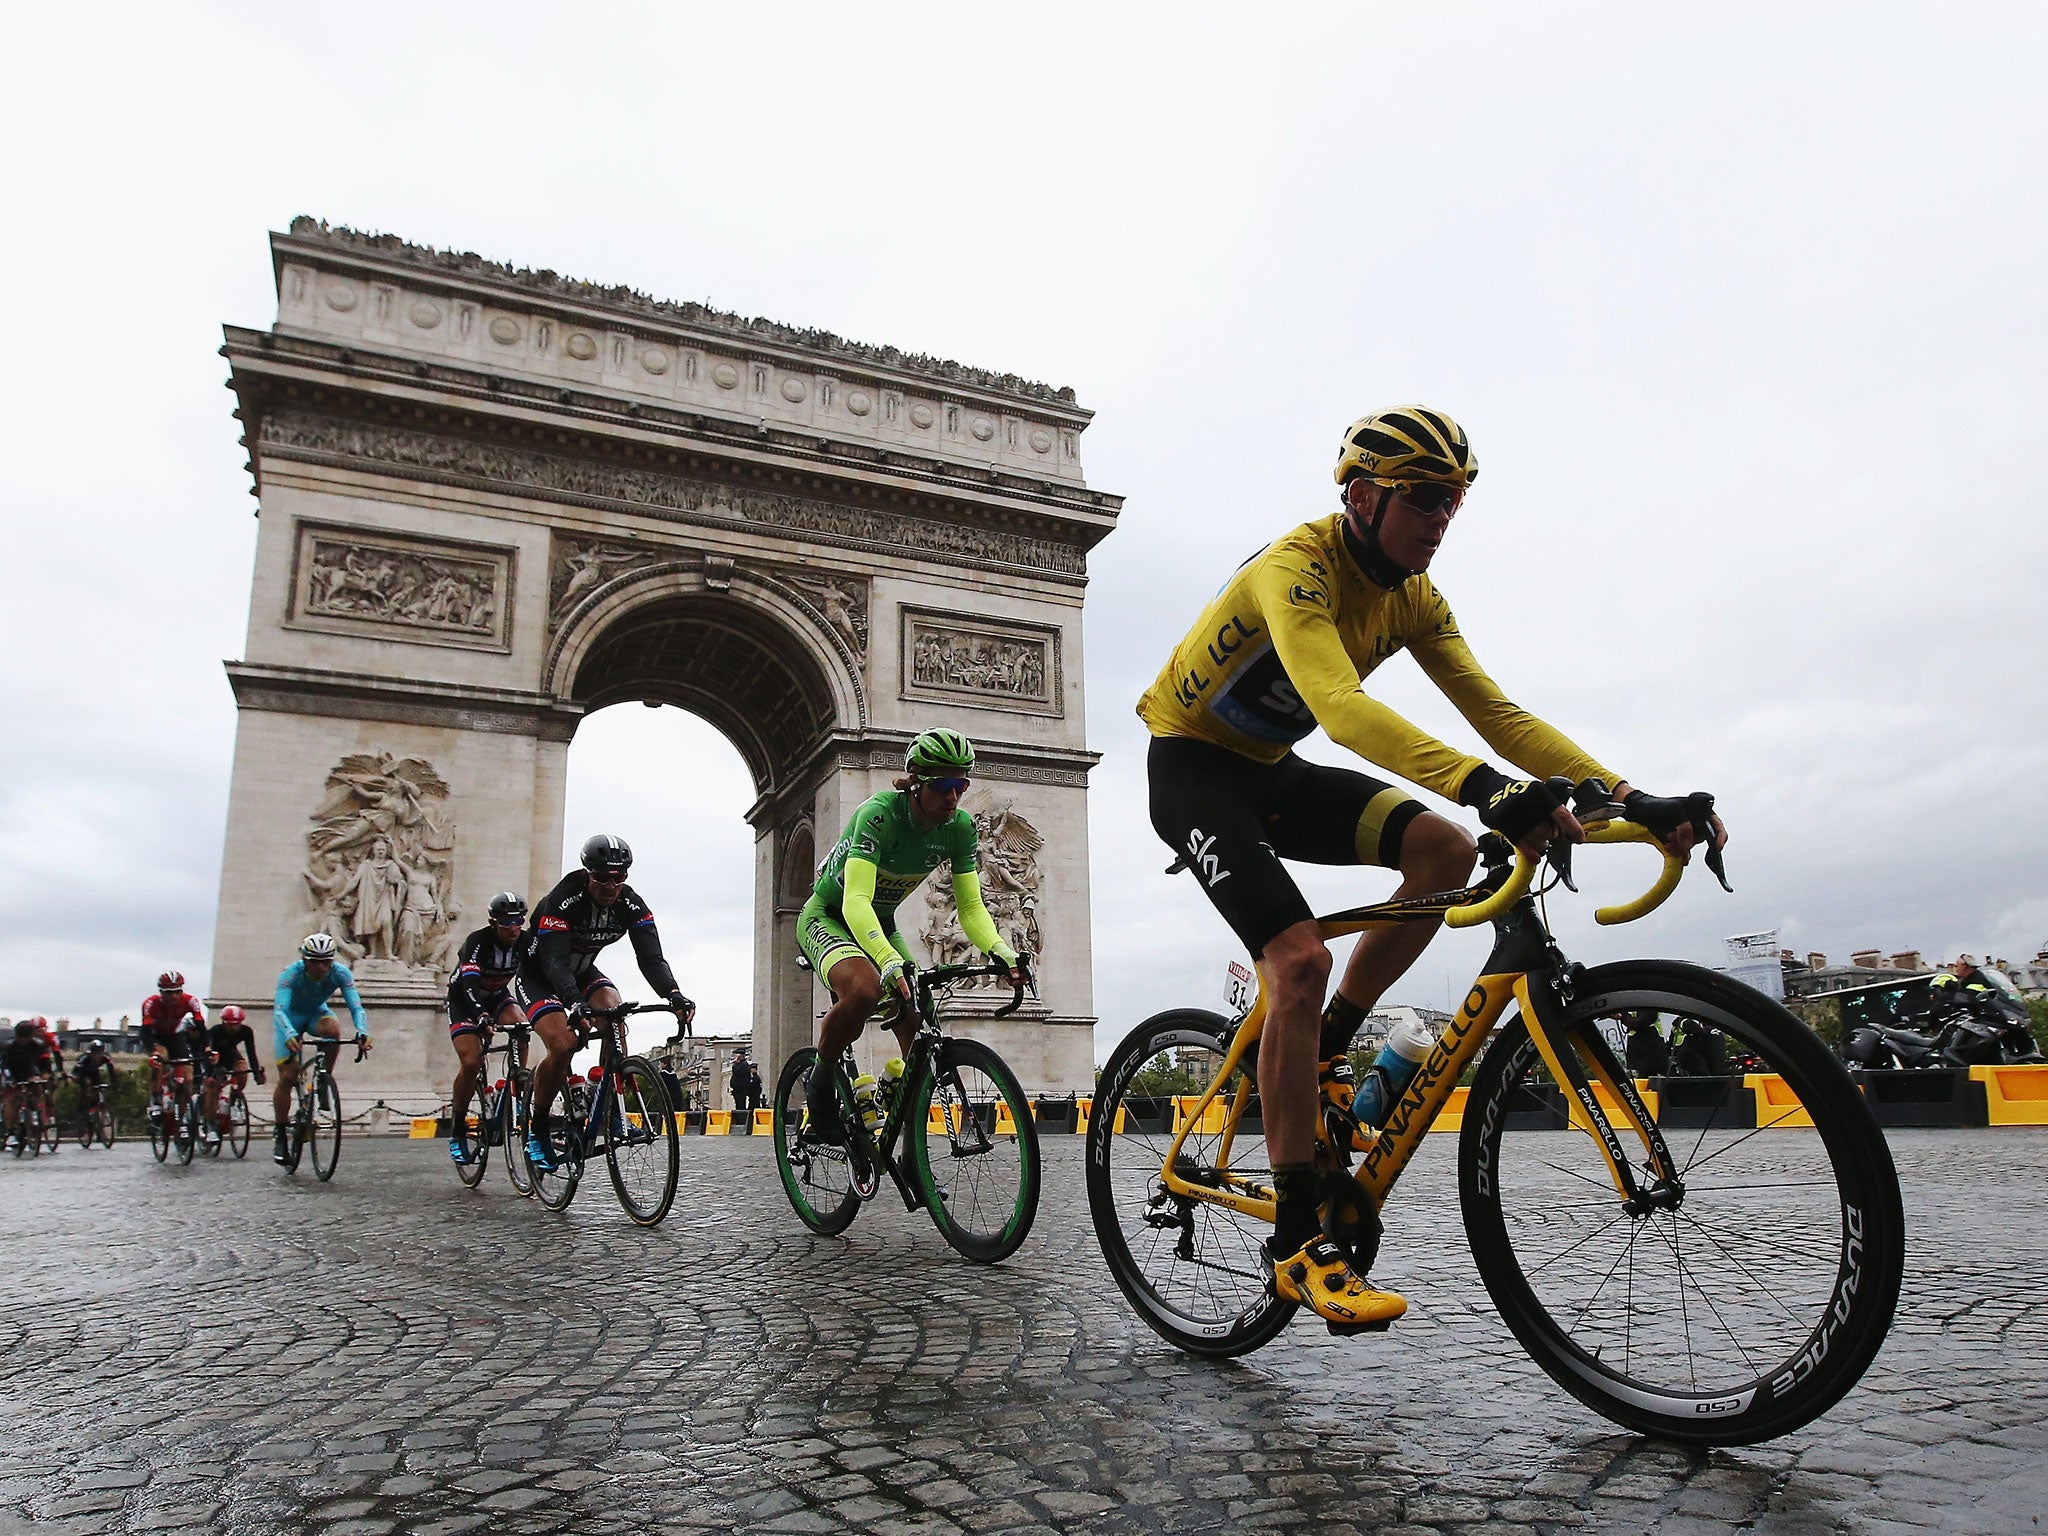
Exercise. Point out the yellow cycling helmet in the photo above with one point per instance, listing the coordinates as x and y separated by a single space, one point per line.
1407 443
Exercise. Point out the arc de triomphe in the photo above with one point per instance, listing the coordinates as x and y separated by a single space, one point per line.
492 500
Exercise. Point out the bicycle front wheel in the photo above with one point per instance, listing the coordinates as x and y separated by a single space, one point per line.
816 1174
325 1135
557 1187
185 1128
974 1153
160 1129
237 1134
1741 1299
88 1125
642 1149
473 1130
1195 1271
512 1107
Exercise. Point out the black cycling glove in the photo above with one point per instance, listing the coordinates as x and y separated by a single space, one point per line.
1665 814
1512 807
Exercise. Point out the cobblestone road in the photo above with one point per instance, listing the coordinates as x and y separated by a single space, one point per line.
222 1348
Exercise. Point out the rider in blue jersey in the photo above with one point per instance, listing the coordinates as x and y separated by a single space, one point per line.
304 989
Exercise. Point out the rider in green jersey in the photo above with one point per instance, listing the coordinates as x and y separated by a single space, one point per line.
847 929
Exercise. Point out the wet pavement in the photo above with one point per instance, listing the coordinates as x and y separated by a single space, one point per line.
223 1348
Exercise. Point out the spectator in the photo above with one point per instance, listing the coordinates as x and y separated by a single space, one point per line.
739 1084
673 1084
755 1096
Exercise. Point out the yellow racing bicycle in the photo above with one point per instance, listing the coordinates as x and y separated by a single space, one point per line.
1717 1262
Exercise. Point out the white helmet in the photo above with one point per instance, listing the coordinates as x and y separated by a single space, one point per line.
318 946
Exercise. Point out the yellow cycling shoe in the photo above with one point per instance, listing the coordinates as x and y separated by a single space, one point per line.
1320 1278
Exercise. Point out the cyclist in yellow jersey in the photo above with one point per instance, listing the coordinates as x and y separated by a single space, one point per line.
1280 651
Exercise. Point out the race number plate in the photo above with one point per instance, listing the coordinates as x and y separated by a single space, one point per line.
1238 990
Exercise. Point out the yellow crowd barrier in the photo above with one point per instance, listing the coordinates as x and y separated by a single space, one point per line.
718 1122
424 1128
764 1122
2014 1095
1777 1106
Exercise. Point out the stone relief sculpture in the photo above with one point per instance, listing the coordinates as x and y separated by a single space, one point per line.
978 662
581 567
1010 881
380 863
843 600
397 586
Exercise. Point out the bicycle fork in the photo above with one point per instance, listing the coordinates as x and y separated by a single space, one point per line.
1583 1074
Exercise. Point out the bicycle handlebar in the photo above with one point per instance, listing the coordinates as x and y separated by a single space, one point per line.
1517 884
944 975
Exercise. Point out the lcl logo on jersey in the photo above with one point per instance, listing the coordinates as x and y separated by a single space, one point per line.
1203 861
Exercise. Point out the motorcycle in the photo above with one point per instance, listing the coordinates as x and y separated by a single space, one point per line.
1988 1027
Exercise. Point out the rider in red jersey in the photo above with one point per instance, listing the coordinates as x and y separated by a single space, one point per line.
163 1018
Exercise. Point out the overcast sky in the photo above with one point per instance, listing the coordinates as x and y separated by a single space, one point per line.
1743 312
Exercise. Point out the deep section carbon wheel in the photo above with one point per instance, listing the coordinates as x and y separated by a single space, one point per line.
1195 1271
641 1149
1742 1296
817 1175
974 1152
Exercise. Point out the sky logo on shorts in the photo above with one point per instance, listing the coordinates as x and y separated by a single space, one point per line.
1203 861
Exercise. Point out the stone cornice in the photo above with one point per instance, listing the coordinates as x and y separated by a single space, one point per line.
316 242
647 492
262 360
363 696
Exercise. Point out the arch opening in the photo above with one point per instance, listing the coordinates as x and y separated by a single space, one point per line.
728 662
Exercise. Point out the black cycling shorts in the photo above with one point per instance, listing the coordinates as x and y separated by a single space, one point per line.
1233 820
466 1016
176 1047
536 986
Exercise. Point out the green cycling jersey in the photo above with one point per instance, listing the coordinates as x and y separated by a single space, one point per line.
884 856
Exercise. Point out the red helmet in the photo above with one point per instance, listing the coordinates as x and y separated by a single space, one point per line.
233 1015
171 981
42 1025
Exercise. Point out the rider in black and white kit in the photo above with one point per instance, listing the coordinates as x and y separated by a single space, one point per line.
485 992
591 908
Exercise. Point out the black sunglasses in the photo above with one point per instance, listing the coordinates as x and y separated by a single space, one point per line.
1429 497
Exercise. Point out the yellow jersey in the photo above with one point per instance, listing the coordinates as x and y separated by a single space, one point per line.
1284 646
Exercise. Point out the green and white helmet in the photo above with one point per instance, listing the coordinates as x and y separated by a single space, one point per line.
939 753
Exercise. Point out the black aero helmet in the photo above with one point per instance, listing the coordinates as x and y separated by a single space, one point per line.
607 855
508 907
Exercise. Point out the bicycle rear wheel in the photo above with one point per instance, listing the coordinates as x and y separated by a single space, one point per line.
475 1134
642 1149
1196 1272
974 1152
236 1107
1748 1297
512 1107
325 1136
565 1141
816 1176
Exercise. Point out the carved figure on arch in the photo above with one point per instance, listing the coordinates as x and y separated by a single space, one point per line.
1010 881
380 861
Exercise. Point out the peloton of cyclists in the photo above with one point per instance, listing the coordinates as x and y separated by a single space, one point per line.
485 993
28 1062
305 988
589 908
